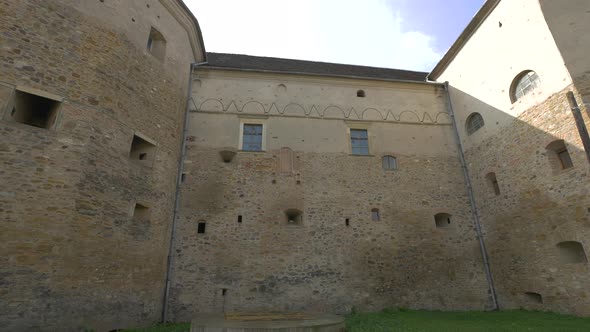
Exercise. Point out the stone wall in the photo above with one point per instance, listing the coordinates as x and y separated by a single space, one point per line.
537 208
72 256
538 205
336 258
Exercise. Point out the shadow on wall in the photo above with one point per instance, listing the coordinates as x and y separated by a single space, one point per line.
530 179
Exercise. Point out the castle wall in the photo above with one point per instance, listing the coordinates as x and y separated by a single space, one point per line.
569 25
263 262
539 205
74 252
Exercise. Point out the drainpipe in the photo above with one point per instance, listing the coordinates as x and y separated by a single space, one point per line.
474 210
177 194
579 123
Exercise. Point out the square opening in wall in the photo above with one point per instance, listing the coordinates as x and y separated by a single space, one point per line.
34 110
442 220
141 213
294 216
141 149
532 297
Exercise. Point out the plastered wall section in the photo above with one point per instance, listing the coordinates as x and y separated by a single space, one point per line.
539 205
569 25
72 257
320 263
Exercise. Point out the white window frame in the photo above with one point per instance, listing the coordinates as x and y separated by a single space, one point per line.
254 121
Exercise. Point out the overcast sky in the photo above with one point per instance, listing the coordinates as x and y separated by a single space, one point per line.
403 34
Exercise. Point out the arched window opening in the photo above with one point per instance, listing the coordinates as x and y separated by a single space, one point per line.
559 156
533 297
375 215
571 252
493 183
523 84
389 163
442 220
473 123
360 93
156 44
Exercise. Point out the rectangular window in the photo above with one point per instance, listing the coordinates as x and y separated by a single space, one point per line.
252 139
359 140
565 159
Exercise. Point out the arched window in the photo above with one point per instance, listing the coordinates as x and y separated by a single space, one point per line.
559 156
360 93
473 123
389 163
523 84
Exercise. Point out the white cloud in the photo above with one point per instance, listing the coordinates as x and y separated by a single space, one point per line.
343 31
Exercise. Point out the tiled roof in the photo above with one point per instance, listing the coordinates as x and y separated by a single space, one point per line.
239 61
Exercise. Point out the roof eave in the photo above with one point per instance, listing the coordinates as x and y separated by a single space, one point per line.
319 75
185 17
487 8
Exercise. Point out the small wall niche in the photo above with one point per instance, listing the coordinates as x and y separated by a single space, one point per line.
227 155
360 93
294 216
141 213
493 183
347 222
240 219
375 216
571 252
201 227
442 220
532 297
34 110
141 149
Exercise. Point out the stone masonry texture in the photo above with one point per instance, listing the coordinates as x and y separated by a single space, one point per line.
321 264
74 256
71 255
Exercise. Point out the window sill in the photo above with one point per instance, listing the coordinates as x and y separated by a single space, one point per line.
252 151
362 155
565 170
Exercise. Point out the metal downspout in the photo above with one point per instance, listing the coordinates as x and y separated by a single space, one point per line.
474 210
582 130
177 195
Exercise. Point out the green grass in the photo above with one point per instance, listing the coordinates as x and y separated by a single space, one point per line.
181 327
426 321
439 321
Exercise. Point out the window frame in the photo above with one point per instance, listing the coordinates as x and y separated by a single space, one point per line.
470 126
515 86
388 158
359 139
252 121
